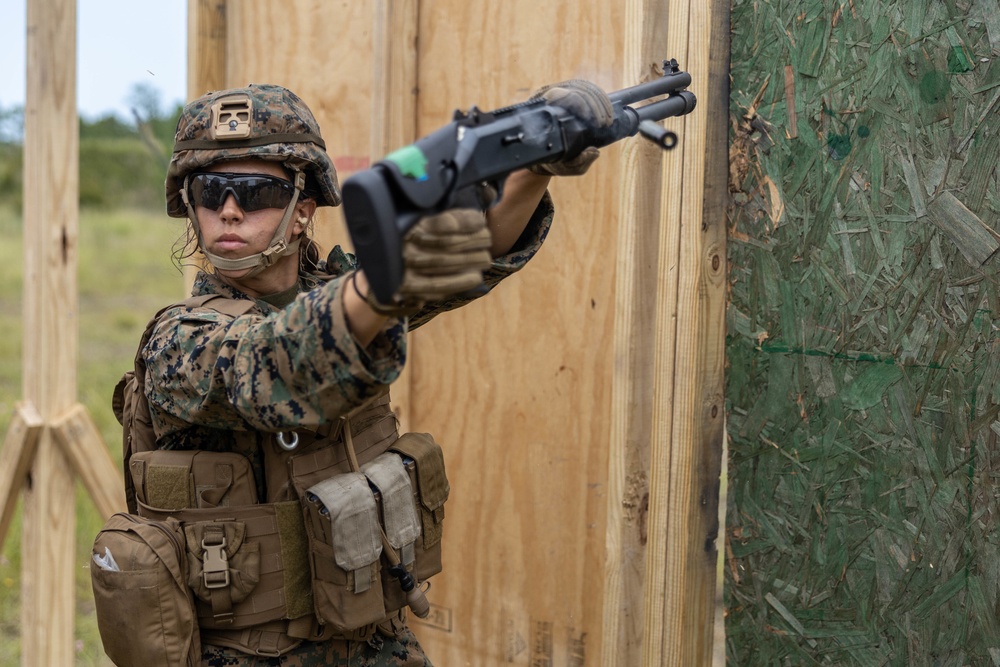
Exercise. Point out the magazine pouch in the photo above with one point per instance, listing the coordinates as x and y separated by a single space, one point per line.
345 545
424 462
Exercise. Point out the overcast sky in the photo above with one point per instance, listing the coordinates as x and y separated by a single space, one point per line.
119 43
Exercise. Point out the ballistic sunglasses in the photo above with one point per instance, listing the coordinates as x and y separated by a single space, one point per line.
253 192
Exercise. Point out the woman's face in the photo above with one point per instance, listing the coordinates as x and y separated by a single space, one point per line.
233 233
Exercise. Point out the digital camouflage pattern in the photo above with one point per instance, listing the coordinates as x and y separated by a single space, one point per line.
379 651
276 111
209 375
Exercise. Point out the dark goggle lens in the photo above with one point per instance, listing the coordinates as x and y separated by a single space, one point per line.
253 192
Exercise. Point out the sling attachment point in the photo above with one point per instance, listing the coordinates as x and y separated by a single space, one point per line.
287 445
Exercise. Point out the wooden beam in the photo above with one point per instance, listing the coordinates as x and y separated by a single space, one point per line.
48 559
206 48
51 186
16 457
87 452
394 114
394 86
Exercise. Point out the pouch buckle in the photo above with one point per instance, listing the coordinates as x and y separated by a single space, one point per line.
215 563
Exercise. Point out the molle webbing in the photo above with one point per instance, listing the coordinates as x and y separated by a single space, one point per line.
284 590
186 479
374 429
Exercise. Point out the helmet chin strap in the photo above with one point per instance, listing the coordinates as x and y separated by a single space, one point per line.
257 262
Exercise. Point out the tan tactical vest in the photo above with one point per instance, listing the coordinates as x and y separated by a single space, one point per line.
353 516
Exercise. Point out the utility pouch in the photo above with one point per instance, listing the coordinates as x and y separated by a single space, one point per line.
225 567
424 462
248 565
184 479
139 581
341 518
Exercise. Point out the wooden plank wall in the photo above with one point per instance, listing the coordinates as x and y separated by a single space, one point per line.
863 515
519 387
552 555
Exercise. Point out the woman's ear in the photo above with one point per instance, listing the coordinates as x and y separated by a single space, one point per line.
304 212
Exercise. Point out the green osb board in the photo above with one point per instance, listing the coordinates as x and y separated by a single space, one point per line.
864 334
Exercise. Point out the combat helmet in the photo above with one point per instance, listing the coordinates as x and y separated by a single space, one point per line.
262 121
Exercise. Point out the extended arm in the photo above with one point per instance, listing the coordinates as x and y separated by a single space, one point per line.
508 219
506 222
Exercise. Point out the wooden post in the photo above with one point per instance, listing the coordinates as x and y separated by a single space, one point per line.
50 431
667 422
633 380
686 448
51 184
206 66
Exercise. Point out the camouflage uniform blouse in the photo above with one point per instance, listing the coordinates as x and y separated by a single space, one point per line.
273 369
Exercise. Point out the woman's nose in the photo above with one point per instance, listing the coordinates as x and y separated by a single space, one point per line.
231 211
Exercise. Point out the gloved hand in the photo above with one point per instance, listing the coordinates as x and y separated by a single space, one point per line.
591 105
443 255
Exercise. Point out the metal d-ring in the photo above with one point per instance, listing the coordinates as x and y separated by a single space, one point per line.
285 444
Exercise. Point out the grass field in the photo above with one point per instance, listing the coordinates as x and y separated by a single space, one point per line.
124 276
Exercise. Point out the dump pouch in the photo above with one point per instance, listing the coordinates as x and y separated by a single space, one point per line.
138 573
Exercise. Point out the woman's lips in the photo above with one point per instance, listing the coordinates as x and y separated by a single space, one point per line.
229 242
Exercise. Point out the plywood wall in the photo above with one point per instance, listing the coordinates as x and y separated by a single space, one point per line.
554 397
518 387
863 344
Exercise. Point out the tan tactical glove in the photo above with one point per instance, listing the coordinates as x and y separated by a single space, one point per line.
443 255
591 105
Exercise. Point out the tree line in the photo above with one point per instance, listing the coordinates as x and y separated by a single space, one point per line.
123 162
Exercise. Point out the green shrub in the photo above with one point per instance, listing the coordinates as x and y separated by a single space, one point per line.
120 172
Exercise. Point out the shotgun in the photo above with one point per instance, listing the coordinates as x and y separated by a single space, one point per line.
449 167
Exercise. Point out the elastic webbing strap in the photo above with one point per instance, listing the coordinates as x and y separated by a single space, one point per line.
257 262
265 140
